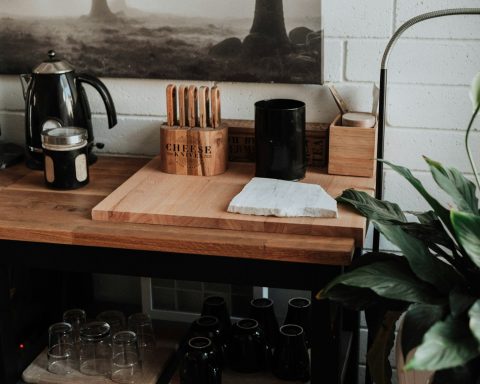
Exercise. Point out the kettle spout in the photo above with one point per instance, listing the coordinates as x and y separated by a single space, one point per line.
25 79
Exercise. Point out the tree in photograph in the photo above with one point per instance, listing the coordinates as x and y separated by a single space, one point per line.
100 10
268 35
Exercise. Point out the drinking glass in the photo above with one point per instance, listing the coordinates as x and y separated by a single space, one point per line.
60 349
299 313
115 319
290 358
95 349
141 325
76 318
125 358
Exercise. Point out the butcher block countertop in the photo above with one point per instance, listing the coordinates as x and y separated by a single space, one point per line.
31 212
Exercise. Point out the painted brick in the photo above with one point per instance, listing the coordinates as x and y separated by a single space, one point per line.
445 107
407 146
361 18
456 27
414 61
333 65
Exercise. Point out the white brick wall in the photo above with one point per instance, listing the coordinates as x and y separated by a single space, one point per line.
429 73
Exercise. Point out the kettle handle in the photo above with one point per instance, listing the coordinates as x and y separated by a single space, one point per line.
103 91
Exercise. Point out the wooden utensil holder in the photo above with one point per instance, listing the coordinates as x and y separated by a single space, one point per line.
352 150
194 151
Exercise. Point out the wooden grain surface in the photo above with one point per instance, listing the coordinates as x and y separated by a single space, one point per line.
36 372
153 197
30 212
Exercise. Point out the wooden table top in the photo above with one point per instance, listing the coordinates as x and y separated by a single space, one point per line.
31 212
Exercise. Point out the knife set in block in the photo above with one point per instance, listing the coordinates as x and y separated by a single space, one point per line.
193 141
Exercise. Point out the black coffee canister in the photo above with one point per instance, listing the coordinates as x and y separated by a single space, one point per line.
65 154
280 143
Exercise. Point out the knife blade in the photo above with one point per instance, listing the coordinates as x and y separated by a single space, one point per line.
204 106
216 108
192 106
171 105
182 105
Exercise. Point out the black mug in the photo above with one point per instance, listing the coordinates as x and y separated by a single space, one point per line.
280 143
262 310
290 359
299 313
247 350
200 364
217 306
209 327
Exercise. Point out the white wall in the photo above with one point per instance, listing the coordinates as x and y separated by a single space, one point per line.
430 71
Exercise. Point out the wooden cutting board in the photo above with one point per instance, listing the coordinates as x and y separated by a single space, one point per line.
153 197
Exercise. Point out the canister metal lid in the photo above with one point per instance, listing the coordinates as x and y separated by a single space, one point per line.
64 136
53 66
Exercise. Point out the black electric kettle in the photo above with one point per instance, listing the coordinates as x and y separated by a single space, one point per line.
55 97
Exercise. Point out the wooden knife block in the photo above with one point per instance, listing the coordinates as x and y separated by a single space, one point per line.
194 151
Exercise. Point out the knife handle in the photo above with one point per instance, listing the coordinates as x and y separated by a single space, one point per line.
182 105
171 105
216 108
204 106
192 106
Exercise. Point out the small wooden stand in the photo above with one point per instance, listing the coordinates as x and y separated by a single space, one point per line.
352 150
194 151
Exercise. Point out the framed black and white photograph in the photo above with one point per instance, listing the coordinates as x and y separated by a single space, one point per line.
265 41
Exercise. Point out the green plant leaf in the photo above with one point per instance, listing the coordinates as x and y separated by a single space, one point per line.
447 344
440 211
459 302
427 217
377 356
475 91
390 279
429 233
417 321
372 208
459 188
425 266
355 298
467 231
474 322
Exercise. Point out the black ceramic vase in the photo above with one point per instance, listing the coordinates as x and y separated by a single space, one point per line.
247 349
217 306
262 310
299 313
200 364
209 326
290 359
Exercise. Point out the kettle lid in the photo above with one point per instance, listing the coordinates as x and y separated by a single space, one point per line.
53 66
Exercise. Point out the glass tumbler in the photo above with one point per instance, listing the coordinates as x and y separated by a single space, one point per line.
115 319
76 318
141 325
299 313
95 349
60 349
126 359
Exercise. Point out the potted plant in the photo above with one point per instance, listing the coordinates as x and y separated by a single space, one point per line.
435 281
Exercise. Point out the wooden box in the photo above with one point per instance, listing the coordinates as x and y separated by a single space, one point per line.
241 138
194 151
352 150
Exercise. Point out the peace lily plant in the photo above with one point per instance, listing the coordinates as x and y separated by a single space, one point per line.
435 281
